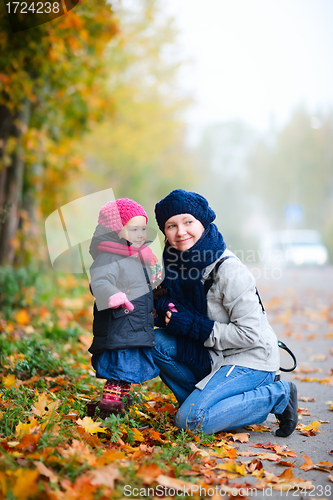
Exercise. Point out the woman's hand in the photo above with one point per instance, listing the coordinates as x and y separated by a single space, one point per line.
196 326
167 318
172 309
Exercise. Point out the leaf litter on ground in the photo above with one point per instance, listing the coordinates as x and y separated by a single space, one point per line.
54 445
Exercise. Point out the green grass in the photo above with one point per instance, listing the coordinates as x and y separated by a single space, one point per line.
47 356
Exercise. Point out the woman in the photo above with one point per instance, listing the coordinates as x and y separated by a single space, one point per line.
215 348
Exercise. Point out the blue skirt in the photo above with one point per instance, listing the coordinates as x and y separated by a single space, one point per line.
130 365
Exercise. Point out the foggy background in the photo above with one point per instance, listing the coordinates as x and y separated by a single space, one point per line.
261 125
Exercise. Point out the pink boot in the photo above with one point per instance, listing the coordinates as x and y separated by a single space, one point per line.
111 401
126 393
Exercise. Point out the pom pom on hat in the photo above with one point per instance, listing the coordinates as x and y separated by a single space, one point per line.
115 214
183 202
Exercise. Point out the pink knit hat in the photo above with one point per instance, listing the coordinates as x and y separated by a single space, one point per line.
115 214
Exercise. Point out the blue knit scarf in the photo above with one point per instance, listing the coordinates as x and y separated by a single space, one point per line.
183 279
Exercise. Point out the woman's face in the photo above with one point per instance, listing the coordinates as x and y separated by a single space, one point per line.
183 231
135 231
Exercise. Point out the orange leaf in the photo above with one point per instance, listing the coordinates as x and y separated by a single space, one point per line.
22 317
171 482
266 444
268 456
308 464
81 489
110 456
153 434
80 451
325 466
45 471
287 463
168 407
242 437
148 472
104 476
287 474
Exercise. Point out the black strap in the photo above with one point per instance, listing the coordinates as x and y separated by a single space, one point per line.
285 348
212 275
208 283
262 305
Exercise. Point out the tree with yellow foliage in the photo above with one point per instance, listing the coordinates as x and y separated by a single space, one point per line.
52 87
139 149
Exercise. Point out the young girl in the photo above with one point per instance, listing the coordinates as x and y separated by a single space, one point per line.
121 282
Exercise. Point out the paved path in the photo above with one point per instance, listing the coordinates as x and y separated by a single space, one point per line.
299 304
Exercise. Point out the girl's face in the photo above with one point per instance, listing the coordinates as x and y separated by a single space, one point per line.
183 231
135 231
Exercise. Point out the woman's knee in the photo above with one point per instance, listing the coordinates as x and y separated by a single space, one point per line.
189 417
159 336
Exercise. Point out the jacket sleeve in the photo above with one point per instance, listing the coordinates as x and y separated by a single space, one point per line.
104 277
235 293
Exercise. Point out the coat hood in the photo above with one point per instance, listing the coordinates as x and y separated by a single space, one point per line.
101 234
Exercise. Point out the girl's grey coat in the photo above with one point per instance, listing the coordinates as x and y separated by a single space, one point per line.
120 328
241 334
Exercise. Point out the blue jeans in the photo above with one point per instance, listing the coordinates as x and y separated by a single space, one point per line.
245 397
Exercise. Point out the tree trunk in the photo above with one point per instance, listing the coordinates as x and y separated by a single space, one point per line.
6 126
11 181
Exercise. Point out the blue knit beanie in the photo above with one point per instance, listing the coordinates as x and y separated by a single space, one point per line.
183 202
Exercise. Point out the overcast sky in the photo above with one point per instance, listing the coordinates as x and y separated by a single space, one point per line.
255 59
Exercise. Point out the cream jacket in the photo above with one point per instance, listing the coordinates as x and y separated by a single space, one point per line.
241 335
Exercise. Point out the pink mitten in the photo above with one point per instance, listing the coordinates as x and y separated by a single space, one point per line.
120 299
172 308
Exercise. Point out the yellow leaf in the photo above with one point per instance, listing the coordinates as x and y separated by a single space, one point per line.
22 317
137 435
26 483
258 428
90 426
41 404
44 406
312 427
3 484
233 466
9 381
27 428
80 451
